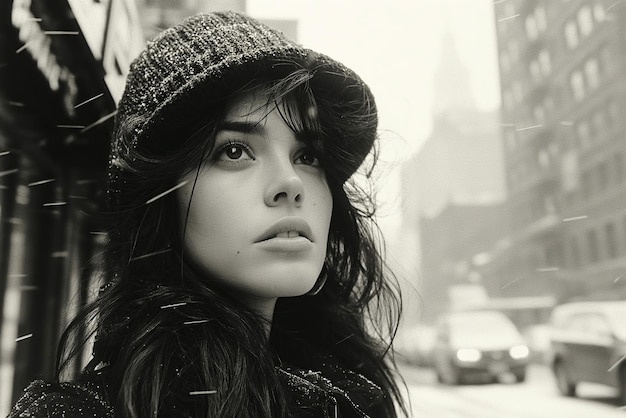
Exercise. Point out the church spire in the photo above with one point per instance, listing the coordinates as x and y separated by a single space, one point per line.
452 90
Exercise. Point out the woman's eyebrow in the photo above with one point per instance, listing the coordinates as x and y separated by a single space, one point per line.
246 127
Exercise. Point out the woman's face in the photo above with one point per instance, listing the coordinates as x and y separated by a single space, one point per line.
260 211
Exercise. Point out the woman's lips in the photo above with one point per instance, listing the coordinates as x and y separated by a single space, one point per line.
288 234
282 244
289 227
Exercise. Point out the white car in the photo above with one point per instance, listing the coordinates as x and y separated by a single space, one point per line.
482 345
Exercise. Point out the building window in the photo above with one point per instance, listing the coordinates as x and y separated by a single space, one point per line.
571 35
539 114
540 18
544 62
531 28
585 21
611 240
577 84
593 247
598 12
544 159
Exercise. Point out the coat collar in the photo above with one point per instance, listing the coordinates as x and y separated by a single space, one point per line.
330 390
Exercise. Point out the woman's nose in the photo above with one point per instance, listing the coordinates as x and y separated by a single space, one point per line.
285 187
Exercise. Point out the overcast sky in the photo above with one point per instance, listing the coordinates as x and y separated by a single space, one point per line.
394 46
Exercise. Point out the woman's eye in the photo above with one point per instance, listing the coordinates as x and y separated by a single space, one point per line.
234 152
308 158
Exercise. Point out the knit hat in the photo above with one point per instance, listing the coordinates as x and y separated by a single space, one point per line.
206 50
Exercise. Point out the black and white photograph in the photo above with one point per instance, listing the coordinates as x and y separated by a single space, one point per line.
312 208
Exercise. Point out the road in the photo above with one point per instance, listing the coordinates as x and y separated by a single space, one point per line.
535 398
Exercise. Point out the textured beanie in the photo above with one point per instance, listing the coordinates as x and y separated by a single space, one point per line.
199 55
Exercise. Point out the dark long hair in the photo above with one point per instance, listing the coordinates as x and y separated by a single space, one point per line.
166 331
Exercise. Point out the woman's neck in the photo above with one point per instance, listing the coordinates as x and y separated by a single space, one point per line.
264 307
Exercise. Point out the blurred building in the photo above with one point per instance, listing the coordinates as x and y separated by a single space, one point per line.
61 65
157 15
563 86
461 162
455 244
454 186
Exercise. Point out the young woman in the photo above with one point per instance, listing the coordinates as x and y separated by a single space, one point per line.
245 280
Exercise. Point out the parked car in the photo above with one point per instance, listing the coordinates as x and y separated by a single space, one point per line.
478 345
588 344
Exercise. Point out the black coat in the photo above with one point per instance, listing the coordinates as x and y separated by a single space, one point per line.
332 392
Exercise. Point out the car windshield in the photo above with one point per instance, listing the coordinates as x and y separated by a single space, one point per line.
482 327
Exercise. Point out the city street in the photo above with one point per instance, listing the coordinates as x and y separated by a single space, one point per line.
536 398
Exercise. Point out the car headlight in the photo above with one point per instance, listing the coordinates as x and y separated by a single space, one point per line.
468 354
518 352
